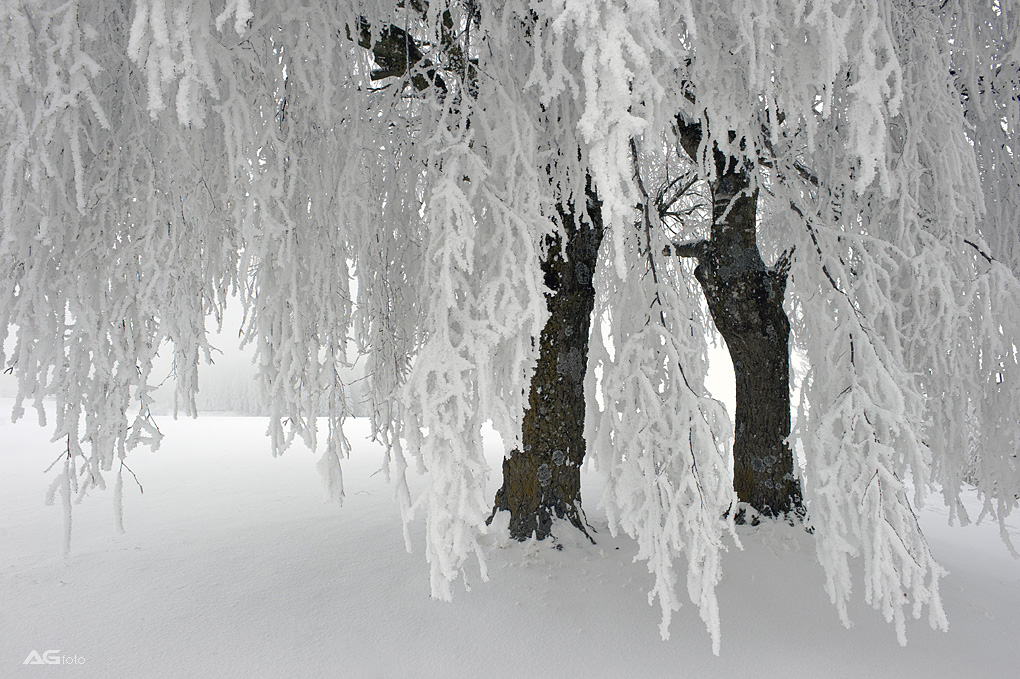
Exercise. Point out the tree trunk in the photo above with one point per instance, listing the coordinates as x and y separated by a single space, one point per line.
543 481
746 303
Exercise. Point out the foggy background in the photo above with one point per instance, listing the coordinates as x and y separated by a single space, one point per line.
227 385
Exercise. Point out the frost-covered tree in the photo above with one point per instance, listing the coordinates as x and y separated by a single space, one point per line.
159 155
746 302
541 477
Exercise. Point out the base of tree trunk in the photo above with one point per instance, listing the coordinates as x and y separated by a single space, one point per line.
532 506
746 515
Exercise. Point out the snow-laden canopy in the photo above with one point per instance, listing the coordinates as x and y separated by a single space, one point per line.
160 156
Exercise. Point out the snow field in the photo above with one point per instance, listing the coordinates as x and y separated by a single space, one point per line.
233 566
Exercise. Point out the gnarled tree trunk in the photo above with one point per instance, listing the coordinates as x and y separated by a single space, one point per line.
746 303
543 481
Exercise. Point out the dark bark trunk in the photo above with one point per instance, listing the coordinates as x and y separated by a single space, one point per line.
746 303
543 481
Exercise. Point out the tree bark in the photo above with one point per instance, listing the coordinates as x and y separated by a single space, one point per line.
746 303
543 481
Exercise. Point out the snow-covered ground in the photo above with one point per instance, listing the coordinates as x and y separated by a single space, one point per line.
233 566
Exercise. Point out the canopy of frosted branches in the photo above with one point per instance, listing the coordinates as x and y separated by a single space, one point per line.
162 156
